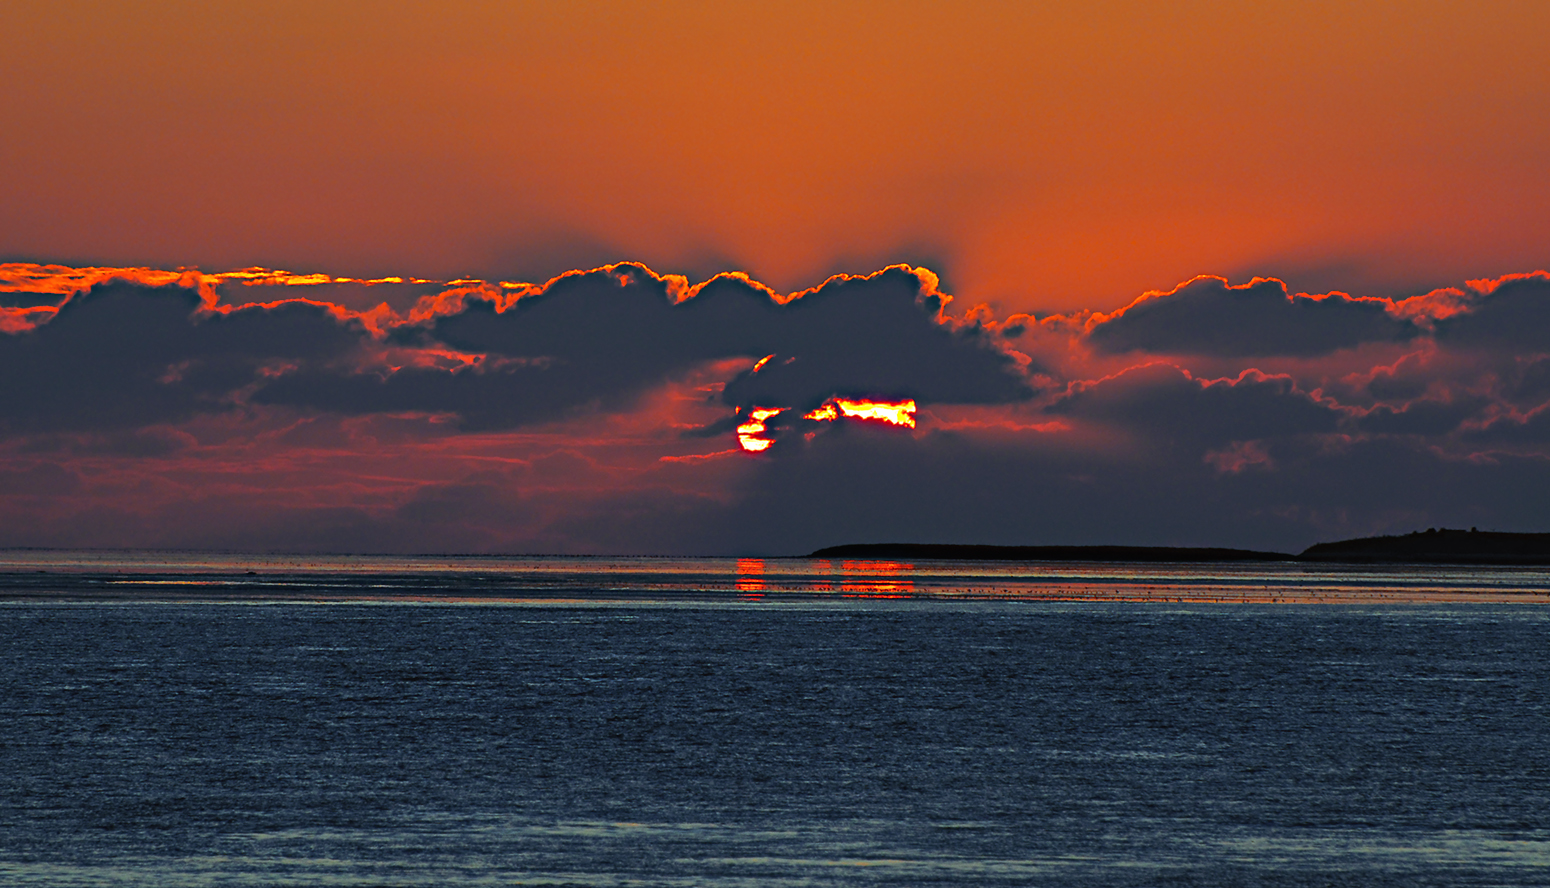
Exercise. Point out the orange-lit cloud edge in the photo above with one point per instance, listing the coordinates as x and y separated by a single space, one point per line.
64 282
1236 414
1075 365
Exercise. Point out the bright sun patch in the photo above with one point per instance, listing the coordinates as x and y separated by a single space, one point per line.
899 413
750 432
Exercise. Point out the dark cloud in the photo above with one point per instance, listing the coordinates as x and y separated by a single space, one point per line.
1531 430
867 338
868 485
115 409
1530 382
123 354
1422 417
859 484
127 354
1208 317
498 398
1514 316
601 338
1407 380
1165 408
39 479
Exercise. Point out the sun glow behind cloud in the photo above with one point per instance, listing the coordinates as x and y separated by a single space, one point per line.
899 413
750 432
595 412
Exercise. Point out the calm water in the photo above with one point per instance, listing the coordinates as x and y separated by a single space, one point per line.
177 720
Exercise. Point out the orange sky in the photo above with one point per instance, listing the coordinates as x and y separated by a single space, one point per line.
1042 156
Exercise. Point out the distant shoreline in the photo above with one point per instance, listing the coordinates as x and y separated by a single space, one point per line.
971 552
1465 547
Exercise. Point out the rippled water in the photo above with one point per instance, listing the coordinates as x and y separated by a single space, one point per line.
174 720
97 576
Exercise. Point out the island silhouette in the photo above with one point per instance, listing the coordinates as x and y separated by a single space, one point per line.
1432 546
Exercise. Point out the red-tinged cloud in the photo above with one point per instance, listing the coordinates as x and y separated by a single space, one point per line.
1422 416
619 410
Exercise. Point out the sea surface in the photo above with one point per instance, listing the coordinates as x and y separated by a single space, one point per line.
173 719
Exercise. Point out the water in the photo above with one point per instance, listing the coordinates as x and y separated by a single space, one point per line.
97 576
175 720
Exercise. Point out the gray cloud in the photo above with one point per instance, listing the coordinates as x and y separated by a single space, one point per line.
1208 317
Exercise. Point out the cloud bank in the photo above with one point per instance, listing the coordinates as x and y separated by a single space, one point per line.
600 412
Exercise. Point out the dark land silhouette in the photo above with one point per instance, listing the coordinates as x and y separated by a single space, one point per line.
1422 547
1438 547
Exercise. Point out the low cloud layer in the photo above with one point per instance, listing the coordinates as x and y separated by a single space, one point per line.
598 412
1208 316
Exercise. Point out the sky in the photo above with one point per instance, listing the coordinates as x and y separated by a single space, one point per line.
705 278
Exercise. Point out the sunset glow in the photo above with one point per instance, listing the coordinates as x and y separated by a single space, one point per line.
1050 273
738 443
877 579
899 413
749 432
750 577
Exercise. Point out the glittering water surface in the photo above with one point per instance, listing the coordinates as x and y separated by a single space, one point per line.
174 721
